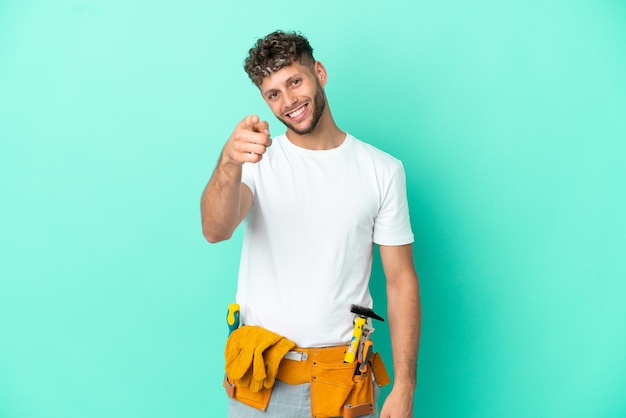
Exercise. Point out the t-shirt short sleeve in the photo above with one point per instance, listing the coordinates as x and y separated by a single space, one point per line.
247 176
392 225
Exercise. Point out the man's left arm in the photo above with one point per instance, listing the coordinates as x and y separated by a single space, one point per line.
404 314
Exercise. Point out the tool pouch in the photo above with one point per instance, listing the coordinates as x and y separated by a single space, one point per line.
379 370
258 400
336 391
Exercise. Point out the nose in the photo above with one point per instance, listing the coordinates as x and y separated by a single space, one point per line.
290 99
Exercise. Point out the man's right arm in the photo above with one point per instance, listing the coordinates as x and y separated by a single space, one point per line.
226 200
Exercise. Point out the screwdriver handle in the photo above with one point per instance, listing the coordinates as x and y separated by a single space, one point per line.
232 317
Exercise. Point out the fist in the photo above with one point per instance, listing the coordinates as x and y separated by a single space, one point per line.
248 142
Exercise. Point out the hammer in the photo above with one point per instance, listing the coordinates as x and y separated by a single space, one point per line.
363 329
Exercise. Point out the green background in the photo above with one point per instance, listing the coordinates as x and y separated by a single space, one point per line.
509 116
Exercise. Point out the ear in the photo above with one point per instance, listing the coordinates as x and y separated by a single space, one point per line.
320 73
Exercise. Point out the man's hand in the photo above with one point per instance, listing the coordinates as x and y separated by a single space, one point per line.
248 142
399 404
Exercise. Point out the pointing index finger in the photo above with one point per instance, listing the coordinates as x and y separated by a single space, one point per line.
254 124
249 121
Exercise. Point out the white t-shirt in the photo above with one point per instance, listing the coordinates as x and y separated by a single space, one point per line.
309 236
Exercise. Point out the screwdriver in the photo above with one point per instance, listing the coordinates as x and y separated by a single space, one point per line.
232 317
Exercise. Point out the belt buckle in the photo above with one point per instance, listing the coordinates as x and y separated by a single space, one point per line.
297 356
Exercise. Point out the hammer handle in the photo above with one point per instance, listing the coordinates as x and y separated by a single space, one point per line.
353 348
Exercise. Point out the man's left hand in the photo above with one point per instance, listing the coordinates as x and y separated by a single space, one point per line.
399 404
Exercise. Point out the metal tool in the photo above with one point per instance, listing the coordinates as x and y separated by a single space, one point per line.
232 317
368 349
363 330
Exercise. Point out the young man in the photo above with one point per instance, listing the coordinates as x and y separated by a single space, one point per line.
315 201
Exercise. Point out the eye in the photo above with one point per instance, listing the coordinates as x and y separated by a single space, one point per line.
296 82
271 96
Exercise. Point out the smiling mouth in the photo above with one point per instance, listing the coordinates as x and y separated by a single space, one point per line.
298 112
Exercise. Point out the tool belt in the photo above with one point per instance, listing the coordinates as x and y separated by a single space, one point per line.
336 391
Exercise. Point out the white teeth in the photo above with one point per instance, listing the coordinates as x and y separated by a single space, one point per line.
297 113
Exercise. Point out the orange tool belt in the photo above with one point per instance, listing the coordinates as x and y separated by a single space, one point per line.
335 389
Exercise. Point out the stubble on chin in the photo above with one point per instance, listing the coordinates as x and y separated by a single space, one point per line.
319 104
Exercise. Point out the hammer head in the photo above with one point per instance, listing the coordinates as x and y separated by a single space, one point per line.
366 312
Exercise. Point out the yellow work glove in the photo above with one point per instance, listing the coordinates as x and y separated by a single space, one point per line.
243 345
244 382
272 357
265 365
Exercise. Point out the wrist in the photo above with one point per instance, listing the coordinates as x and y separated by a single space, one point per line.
229 166
404 384
227 171
228 162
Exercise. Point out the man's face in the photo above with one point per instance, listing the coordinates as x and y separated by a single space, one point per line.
295 96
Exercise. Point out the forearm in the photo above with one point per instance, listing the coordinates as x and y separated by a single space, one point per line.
404 312
222 205
221 202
